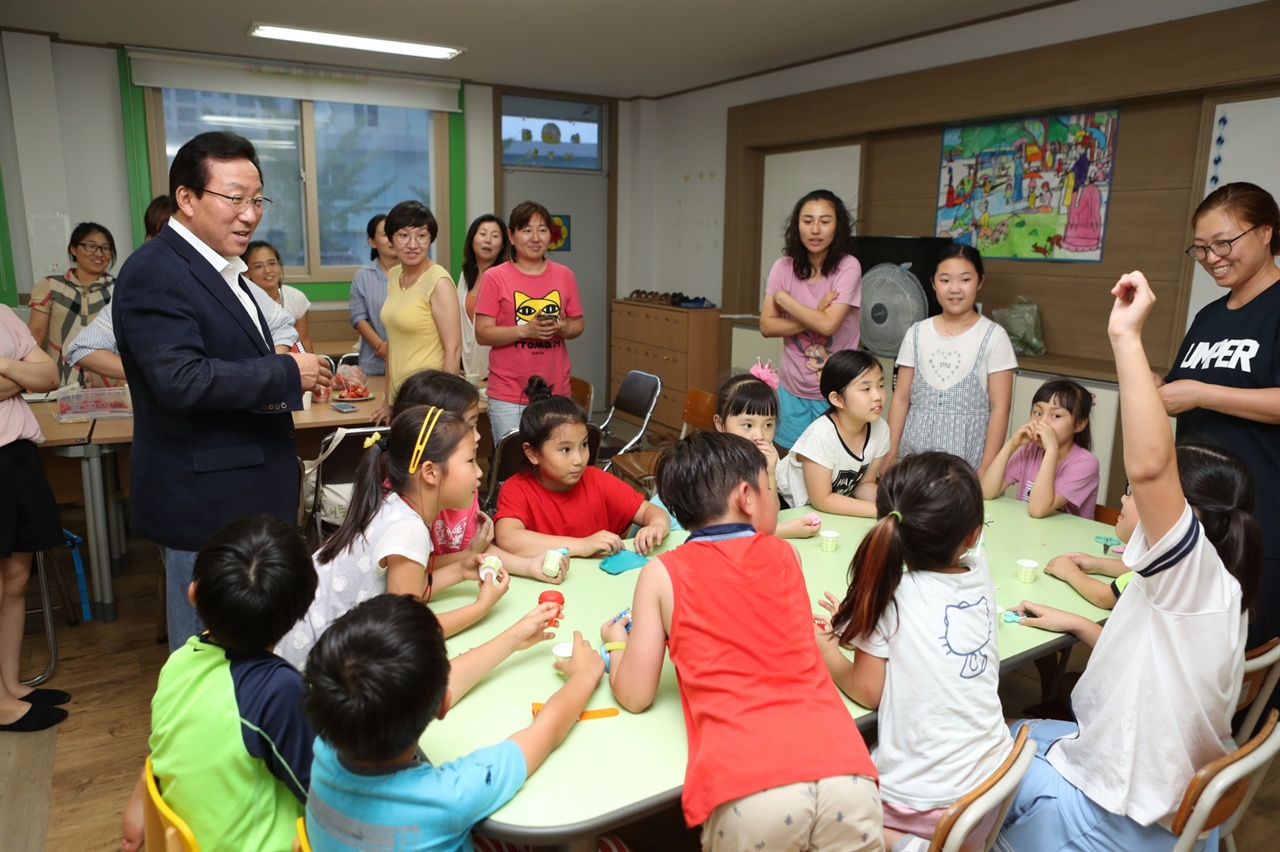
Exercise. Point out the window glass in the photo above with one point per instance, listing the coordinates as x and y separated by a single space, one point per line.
546 133
368 159
273 125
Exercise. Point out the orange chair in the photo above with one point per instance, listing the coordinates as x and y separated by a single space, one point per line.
1261 671
581 392
994 794
699 414
1106 515
162 829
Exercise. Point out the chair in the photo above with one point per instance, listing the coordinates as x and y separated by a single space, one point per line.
327 479
44 565
303 843
162 829
1220 793
698 415
509 459
636 397
350 358
1261 671
1106 515
581 392
994 794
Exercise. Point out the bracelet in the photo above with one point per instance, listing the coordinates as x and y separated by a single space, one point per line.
607 648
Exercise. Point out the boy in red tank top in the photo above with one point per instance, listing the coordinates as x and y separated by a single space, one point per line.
731 607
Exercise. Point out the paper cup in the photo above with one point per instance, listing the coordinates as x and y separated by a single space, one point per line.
489 568
829 540
306 401
1027 570
562 652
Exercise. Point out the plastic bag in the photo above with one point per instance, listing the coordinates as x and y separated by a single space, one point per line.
1022 321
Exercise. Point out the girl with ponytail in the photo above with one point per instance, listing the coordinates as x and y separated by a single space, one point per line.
384 544
942 730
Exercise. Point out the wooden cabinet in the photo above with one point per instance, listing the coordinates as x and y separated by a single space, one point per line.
681 346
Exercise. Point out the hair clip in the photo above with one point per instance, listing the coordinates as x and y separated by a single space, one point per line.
424 435
765 373
375 438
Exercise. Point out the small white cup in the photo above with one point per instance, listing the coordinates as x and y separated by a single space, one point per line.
490 567
829 541
306 400
1027 570
562 651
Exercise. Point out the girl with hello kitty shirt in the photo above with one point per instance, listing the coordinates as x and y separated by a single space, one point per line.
926 656
955 372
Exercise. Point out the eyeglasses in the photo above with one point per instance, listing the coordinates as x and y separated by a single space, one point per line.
422 238
1221 248
242 201
265 264
94 248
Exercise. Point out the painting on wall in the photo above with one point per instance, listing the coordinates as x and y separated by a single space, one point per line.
1029 189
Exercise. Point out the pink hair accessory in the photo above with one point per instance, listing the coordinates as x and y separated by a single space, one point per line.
765 373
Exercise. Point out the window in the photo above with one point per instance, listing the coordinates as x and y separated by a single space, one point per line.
545 133
328 168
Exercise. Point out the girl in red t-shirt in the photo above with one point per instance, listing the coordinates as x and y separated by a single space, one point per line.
564 501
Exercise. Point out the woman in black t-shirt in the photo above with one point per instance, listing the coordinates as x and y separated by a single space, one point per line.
1225 381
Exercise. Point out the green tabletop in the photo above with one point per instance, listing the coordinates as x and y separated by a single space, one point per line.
611 771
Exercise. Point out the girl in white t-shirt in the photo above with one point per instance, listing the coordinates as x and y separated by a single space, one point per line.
267 271
835 463
926 653
1155 703
384 545
955 372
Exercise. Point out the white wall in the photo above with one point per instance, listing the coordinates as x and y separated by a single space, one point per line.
478 111
671 193
61 151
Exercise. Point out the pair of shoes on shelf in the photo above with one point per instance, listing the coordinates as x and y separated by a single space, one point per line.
699 302
49 697
38 718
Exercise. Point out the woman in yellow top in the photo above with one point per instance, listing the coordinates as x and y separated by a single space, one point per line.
421 311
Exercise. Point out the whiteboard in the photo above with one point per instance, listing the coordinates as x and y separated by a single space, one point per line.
789 177
1245 147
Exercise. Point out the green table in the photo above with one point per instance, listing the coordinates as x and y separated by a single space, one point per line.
615 770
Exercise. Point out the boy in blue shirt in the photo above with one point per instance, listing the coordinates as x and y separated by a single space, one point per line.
230 747
375 679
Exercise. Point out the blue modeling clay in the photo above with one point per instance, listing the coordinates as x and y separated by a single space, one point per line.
623 560
1012 617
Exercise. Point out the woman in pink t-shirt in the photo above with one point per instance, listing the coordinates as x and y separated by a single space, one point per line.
526 311
28 519
812 302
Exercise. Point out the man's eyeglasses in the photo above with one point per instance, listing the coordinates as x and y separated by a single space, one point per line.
1221 248
94 248
242 201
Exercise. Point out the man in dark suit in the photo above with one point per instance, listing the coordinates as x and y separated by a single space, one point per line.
213 433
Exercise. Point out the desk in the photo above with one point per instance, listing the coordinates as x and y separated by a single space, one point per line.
615 770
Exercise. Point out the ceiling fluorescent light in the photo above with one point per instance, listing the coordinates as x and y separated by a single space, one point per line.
376 45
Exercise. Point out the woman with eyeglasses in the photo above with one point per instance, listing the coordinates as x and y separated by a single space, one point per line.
266 270
421 311
62 305
1225 381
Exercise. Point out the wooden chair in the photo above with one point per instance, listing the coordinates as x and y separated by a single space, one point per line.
699 414
1261 671
162 829
509 459
581 392
637 397
1106 515
994 794
1219 794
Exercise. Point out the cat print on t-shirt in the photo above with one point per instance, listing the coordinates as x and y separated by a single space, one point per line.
528 308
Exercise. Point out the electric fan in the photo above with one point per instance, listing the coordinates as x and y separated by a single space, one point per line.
892 299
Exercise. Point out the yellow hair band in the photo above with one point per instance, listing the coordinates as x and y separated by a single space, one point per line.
372 439
424 435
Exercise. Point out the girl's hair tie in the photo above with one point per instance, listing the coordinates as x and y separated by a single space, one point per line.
764 372
896 514
375 438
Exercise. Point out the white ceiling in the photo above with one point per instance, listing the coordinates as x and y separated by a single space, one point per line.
619 48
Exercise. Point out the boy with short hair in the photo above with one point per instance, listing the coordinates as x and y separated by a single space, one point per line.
375 679
230 747
775 759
